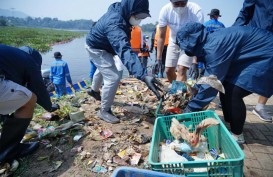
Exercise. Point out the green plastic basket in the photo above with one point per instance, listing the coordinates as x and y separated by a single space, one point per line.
218 137
158 109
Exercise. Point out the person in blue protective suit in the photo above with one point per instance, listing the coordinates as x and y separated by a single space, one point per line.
241 58
213 24
21 86
59 72
255 14
93 69
111 36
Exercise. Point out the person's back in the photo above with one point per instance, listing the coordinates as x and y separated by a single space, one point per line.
253 54
214 24
241 58
115 16
22 69
258 14
21 86
14 63
211 25
59 72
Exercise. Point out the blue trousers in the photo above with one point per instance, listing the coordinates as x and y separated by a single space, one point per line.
92 70
60 90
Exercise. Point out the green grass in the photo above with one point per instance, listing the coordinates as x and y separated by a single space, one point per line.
39 39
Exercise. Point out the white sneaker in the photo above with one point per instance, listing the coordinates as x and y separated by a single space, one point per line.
240 139
263 115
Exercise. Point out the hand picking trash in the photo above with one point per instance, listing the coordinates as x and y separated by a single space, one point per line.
178 94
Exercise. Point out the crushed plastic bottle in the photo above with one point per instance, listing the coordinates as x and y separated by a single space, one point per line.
166 154
215 154
49 131
182 147
178 87
188 157
185 147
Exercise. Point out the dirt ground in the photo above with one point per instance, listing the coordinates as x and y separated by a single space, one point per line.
64 157
56 156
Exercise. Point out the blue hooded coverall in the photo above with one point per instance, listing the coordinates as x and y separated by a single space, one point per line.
256 13
58 73
24 68
238 56
111 36
211 25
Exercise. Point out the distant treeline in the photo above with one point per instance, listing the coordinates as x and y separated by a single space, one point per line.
55 23
46 23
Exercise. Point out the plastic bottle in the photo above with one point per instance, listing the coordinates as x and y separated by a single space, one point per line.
49 131
178 86
188 157
166 154
182 147
215 154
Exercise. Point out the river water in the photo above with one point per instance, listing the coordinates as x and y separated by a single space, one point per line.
75 55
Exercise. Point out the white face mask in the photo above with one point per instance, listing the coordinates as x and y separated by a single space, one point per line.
180 10
134 22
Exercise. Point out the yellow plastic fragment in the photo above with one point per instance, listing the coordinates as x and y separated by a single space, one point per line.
122 153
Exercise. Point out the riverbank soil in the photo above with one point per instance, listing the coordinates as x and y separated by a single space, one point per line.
95 148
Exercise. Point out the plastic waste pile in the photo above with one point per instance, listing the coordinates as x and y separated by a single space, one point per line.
189 146
176 97
178 94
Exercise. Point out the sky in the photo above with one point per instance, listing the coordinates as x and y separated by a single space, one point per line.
93 9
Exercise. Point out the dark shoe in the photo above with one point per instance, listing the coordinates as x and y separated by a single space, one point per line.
263 115
107 116
94 94
27 149
9 153
13 131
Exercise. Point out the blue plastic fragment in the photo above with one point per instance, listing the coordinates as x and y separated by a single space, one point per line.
188 157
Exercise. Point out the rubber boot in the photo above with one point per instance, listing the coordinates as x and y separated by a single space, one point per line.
13 131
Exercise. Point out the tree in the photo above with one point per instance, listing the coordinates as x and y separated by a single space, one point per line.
3 22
